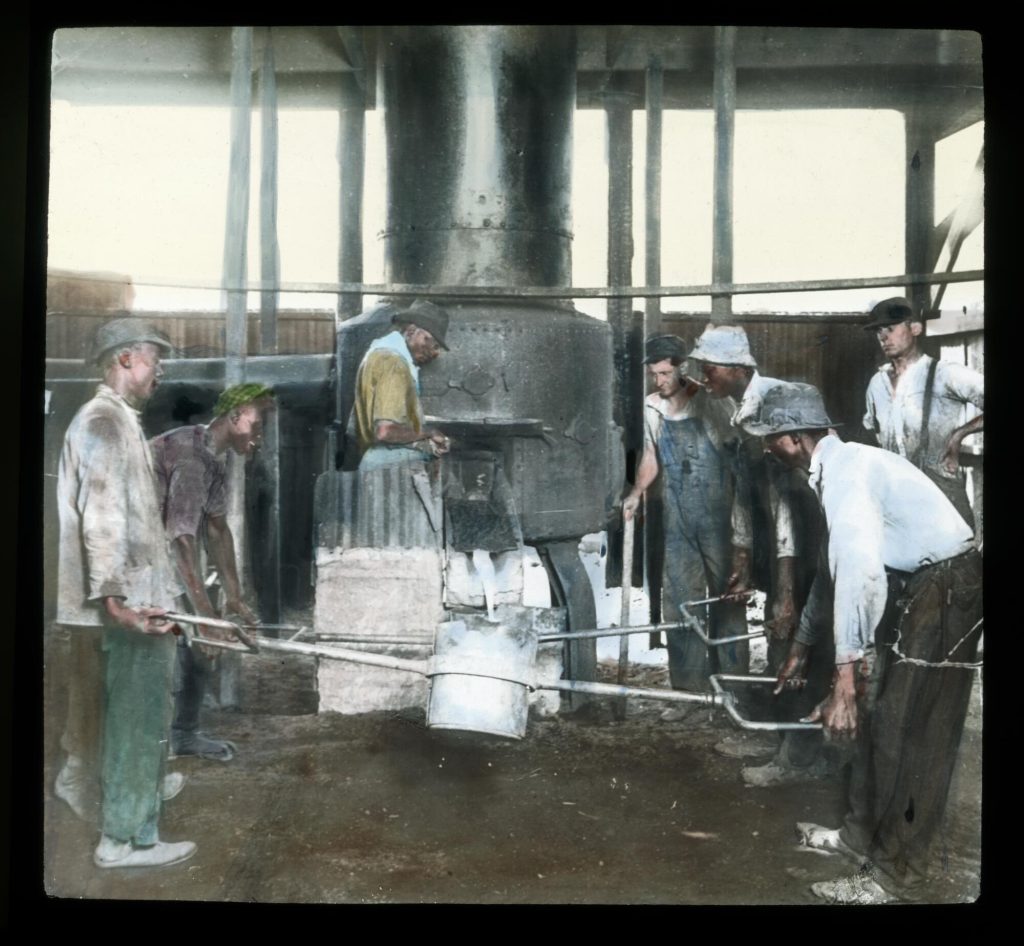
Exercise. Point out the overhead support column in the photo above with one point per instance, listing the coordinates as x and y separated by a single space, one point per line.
619 136
351 161
236 330
652 191
920 205
268 554
724 97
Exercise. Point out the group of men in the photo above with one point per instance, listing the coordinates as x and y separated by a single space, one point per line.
867 556
136 521
874 601
133 515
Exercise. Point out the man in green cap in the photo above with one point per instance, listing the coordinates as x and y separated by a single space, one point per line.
387 416
115 584
192 493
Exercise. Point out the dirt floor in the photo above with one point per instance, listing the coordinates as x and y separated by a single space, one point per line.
584 810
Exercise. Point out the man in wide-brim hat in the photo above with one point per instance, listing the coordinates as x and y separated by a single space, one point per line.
387 415
905 611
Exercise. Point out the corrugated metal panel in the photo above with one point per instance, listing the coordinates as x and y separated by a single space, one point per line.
194 334
375 509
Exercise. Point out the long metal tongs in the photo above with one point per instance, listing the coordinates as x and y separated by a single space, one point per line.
236 629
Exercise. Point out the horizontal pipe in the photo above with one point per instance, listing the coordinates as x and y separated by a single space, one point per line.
609 689
729 702
581 292
609 632
328 653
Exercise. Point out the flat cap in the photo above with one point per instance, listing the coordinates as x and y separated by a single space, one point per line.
660 347
891 312
238 395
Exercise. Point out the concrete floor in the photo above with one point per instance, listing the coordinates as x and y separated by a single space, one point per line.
375 808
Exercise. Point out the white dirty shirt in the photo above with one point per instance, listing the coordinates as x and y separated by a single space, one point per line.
882 512
778 499
894 413
111 536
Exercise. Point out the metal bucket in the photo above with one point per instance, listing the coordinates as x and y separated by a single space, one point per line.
480 676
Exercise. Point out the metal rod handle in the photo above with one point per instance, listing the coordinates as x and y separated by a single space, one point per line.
729 702
610 689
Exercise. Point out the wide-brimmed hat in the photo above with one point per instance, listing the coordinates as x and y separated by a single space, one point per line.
723 345
787 407
891 312
126 331
427 316
659 347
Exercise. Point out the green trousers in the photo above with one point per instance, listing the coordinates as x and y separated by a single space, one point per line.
138 675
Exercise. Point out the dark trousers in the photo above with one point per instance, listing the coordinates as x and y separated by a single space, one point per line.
192 675
911 718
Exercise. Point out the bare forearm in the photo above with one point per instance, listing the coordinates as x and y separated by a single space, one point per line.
222 545
386 431
184 547
646 473
972 426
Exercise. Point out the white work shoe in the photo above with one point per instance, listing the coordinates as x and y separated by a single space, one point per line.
817 838
861 889
172 785
112 853
71 787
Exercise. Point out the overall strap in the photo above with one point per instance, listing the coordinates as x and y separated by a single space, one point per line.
926 409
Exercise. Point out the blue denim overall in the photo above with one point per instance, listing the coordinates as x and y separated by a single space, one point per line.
698 482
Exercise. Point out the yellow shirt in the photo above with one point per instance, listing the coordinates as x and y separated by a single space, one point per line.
385 390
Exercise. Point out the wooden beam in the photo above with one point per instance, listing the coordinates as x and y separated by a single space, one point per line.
725 133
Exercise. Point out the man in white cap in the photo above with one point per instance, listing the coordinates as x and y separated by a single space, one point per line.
115 583
689 440
776 549
917 406
906 616
387 415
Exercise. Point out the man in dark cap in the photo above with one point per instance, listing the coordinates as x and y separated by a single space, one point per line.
917 406
192 493
115 584
387 415
688 439
905 611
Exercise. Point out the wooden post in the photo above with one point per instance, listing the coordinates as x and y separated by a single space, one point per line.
351 161
920 205
724 97
652 193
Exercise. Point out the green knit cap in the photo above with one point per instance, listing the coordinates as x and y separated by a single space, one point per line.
238 395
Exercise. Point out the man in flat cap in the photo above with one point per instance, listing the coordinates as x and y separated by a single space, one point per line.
387 415
902 593
191 478
115 584
917 406
776 548
689 441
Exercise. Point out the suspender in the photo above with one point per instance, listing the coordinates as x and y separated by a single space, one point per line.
926 409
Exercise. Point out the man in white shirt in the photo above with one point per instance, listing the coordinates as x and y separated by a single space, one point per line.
912 384
906 618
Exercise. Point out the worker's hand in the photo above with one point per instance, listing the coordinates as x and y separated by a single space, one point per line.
629 506
738 585
792 674
139 620
838 711
950 460
784 616
239 608
211 634
436 443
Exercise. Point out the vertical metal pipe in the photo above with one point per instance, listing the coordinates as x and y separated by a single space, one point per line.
619 138
920 204
724 98
351 163
270 458
269 250
235 277
652 245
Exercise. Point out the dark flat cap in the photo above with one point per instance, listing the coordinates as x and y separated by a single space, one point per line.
659 347
891 312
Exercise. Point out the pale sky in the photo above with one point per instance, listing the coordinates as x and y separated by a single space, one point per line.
817 194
